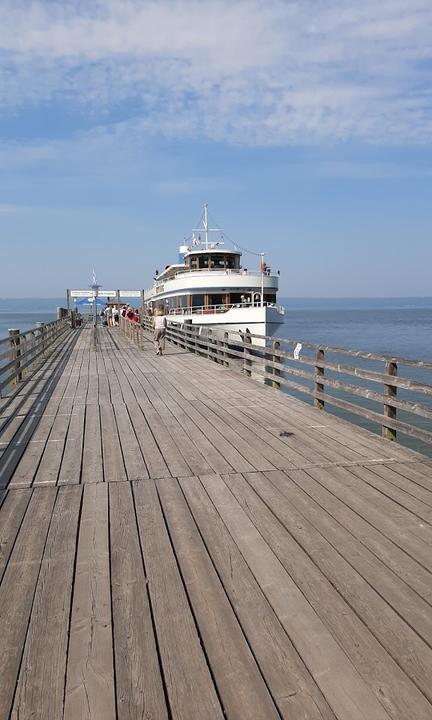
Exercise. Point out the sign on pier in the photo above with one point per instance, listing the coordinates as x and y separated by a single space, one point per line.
113 295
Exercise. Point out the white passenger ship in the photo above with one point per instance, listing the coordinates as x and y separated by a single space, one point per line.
209 286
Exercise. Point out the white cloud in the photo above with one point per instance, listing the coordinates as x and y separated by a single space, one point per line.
249 72
9 208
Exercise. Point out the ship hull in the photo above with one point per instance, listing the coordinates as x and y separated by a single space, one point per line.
235 321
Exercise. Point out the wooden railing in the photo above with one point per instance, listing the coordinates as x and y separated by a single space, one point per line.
21 350
319 372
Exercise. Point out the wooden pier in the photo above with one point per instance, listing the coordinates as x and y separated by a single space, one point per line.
180 542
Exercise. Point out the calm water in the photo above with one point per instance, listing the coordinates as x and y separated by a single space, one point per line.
23 321
405 332
398 327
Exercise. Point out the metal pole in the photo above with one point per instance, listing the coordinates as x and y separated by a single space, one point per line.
262 279
206 224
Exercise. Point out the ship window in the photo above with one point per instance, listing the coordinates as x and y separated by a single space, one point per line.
217 262
204 262
197 300
216 299
231 262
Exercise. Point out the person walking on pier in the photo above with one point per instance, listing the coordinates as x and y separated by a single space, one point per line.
159 328
108 315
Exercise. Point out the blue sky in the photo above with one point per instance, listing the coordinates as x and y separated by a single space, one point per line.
306 125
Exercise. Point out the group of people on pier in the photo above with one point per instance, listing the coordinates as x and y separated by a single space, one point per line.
111 314
111 317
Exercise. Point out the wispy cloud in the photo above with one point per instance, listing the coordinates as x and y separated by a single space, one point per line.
10 208
250 72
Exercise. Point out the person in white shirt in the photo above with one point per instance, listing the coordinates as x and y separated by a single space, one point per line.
108 315
159 329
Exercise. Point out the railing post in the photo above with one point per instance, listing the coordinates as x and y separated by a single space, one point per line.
247 363
225 352
33 348
209 339
319 386
390 391
42 329
276 359
218 352
15 345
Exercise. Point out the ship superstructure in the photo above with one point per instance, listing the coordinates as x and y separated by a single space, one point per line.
210 286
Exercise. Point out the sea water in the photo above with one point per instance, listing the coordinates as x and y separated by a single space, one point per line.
398 327
22 321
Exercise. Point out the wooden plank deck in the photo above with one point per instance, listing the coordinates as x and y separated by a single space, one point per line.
180 542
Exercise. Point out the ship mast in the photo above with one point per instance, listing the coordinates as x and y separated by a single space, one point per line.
206 224
205 227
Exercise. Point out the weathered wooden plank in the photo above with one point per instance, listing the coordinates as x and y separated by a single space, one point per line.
341 589
140 692
10 430
70 469
389 490
122 375
393 522
407 603
41 680
11 514
303 443
162 432
49 466
395 477
175 420
17 591
208 443
419 475
90 668
190 688
113 464
286 676
24 469
153 457
116 394
92 464
184 450
402 564
345 690
133 459
229 443
232 663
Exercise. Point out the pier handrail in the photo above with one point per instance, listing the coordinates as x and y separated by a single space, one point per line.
20 351
305 369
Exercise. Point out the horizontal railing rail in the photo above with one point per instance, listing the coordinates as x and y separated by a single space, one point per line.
220 308
220 272
227 271
381 387
20 351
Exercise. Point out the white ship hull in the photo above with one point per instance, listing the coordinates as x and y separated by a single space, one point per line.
258 320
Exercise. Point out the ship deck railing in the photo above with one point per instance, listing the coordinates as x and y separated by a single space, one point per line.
220 308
